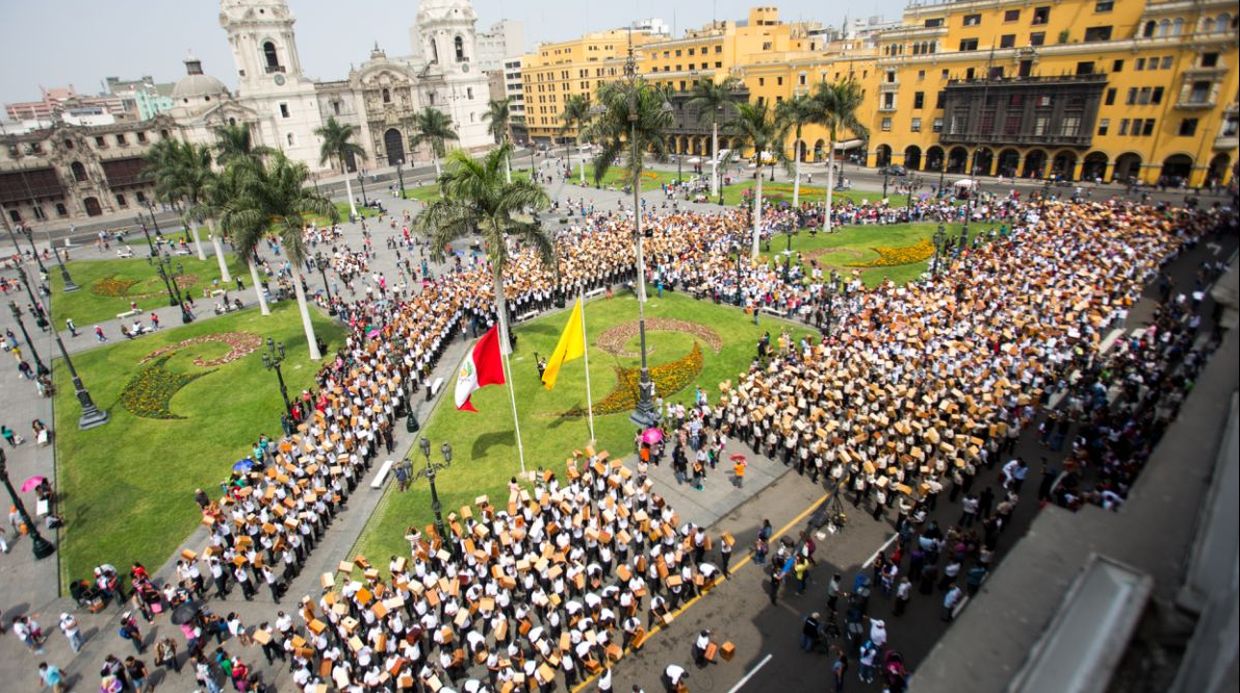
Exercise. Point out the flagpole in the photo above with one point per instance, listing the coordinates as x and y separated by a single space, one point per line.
585 341
512 397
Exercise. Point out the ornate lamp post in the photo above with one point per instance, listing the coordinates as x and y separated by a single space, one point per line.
39 318
964 236
401 177
33 248
40 367
158 263
321 264
69 285
361 179
92 415
429 473
940 235
736 248
169 273
787 251
150 208
272 358
832 281
42 547
146 232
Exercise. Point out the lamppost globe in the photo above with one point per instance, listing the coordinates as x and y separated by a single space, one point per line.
424 445
446 450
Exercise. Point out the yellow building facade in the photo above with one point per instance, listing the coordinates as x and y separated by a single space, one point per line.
1078 89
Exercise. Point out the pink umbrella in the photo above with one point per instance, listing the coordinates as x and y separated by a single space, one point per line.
650 436
29 484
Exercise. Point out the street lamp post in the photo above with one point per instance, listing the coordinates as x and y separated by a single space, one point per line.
169 274
429 473
644 416
272 358
39 318
33 248
150 208
361 179
92 415
940 235
787 251
42 547
885 177
146 232
401 177
832 282
69 285
964 236
40 367
322 263
736 248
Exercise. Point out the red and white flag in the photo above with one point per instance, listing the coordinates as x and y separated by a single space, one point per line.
480 367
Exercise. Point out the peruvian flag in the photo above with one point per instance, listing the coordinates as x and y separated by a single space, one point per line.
480 367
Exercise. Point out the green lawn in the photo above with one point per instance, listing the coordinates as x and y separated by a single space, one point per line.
107 286
485 455
127 487
855 244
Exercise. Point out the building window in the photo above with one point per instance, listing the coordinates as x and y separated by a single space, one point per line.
1156 97
762 81
141 197
937 126
915 125
1166 62
779 81
1097 33
336 107
60 210
101 143
1148 128
885 124
1123 126
1037 38
120 200
919 100
141 138
469 93
1104 125
1007 41
38 212
968 44
1188 127
1109 99
387 96
1011 16
68 143
1041 15
1104 5
1132 97
284 110
1117 66
932 23
921 74
940 99
289 139
269 55
889 100
458 45
972 19
1085 68
1209 59
891 76
79 171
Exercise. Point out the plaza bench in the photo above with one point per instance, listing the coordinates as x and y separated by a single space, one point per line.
775 311
436 387
125 252
595 292
183 251
128 314
526 315
381 475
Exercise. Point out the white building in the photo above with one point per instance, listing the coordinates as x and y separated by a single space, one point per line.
513 89
284 108
506 37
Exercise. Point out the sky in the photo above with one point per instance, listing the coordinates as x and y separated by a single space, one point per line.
80 42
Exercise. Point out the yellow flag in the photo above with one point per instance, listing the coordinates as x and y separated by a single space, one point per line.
572 345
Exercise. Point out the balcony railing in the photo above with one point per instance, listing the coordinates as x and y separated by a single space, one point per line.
1020 139
1193 103
274 68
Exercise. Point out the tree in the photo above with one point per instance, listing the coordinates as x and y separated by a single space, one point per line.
576 115
221 192
498 118
476 199
837 104
713 101
180 171
757 127
795 114
433 128
273 195
234 142
337 147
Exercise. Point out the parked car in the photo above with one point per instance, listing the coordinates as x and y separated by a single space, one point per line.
893 170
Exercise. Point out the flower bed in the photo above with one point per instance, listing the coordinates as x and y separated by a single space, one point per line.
112 287
613 340
240 344
669 378
893 257
149 393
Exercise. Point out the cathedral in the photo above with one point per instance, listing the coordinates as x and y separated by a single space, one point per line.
379 98
66 172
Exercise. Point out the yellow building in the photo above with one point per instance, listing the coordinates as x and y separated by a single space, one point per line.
1094 89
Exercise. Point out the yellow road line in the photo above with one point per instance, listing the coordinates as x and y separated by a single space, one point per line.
739 564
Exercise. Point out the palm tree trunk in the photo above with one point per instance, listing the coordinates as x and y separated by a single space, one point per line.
796 176
508 169
714 159
435 159
225 276
826 213
305 313
348 190
258 288
757 214
569 148
193 231
501 308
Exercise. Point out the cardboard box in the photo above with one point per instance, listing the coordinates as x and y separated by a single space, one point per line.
727 650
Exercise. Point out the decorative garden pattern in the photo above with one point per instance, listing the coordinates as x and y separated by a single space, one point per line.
894 257
240 344
613 340
149 393
669 378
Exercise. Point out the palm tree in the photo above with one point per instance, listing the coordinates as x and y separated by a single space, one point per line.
477 199
795 114
757 127
498 117
222 191
180 171
712 101
632 116
273 194
837 105
433 128
234 142
575 115
336 146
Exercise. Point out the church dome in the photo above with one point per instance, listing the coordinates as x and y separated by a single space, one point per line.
441 10
196 86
